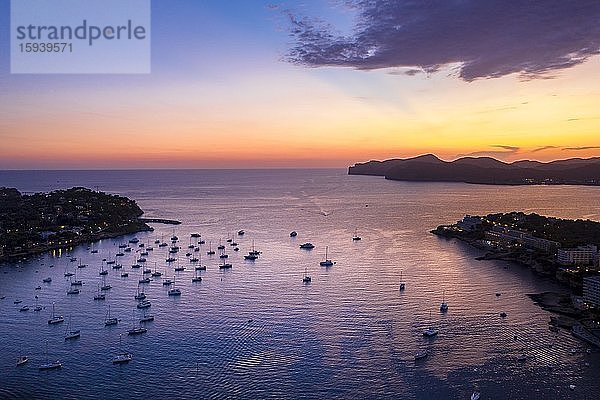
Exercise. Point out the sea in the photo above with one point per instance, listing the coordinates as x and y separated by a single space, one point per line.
257 331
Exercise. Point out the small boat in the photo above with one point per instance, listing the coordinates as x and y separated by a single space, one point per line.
327 262
224 255
444 305
293 234
17 301
73 259
356 237
250 257
522 357
94 251
73 291
421 355
144 280
498 294
124 274
241 232
37 306
55 319
105 286
476 394
47 280
402 283
167 282
134 240
49 365
102 270
171 259
117 266
306 278
156 273
123 357
225 265
179 268
157 241
71 333
120 254
503 315
307 246
195 235
147 271
24 308
22 360
163 244
144 304
76 282
108 320
38 288
174 238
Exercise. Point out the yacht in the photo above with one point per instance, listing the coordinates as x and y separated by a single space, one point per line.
108 321
306 278
123 357
49 365
55 319
137 330
174 291
71 333
327 262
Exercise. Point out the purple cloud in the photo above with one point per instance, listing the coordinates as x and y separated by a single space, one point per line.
487 39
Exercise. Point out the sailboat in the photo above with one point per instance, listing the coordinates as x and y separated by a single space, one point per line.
146 317
225 265
139 295
76 282
210 251
102 270
108 321
402 284
306 278
49 365
105 286
70 333
55 319
174 291
37 306
136 330
444 305
196 277
123 357
253 254
327 262
431 331
200 267
99 296
356 237
156 273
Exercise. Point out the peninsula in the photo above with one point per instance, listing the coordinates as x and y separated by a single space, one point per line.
484 170
566 250
39 222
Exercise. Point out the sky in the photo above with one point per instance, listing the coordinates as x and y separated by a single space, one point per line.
320 83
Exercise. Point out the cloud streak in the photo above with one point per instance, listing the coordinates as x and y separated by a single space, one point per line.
486 39
581 148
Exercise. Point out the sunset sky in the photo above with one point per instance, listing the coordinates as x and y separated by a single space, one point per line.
238 84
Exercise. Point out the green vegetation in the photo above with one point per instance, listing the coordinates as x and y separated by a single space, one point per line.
42 221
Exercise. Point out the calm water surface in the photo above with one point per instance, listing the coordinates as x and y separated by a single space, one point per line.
256 331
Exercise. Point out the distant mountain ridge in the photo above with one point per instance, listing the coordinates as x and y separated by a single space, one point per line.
484 170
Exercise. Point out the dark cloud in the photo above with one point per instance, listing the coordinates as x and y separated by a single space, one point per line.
500 154
509 149
488 39
543 148
581 148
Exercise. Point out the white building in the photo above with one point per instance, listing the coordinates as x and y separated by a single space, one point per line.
469 223
582 255
591 291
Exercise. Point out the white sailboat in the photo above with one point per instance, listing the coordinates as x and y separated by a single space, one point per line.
49 365
71 333
122 357
55 319
431 331
108 321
